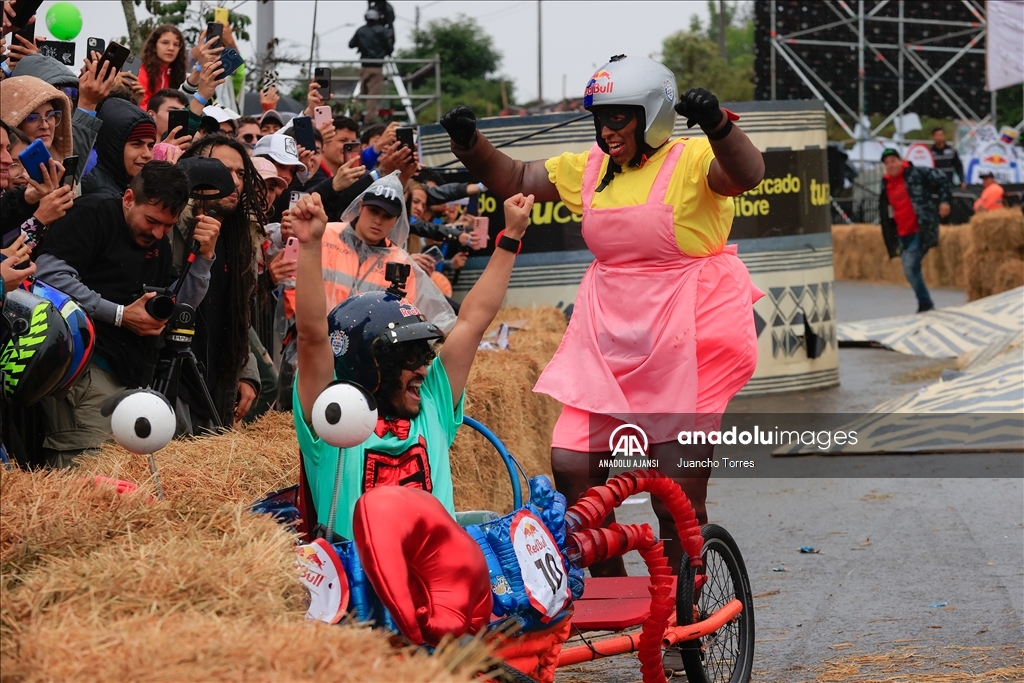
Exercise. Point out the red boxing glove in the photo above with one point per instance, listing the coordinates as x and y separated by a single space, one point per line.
429 573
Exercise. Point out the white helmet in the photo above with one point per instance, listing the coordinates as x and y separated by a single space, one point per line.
637 82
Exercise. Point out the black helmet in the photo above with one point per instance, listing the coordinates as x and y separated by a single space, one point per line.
36 349
372 320
83 335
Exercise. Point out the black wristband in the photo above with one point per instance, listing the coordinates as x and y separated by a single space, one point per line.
509 244
722 132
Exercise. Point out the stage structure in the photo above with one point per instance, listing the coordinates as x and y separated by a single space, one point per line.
864 57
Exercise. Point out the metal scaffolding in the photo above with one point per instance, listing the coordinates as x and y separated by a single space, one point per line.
965 37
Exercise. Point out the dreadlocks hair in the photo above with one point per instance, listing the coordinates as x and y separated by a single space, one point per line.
239 252
152 63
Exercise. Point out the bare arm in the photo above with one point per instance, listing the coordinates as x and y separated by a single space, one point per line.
501 174
316 361
738 165
483 301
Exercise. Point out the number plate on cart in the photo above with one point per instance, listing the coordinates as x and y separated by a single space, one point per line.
540 563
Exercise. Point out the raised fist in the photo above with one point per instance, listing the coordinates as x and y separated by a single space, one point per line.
460 123
700 107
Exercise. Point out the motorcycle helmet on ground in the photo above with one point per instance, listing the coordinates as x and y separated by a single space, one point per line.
364 326
83 335
36 347
644 86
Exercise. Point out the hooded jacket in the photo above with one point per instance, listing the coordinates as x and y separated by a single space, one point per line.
119 118
20 96
84 127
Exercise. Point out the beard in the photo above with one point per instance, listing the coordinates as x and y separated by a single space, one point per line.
390 393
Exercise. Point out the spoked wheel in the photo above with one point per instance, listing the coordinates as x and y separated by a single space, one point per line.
726 656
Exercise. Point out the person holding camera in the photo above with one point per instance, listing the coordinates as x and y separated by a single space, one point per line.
662 332
105 253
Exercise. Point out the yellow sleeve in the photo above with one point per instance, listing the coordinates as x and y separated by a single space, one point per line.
566 174
703 218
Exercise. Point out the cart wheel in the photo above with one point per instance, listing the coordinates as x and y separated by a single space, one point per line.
726 656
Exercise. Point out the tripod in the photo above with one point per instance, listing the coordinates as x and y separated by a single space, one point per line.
177 353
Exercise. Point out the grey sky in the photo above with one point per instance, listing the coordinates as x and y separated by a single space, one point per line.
577 36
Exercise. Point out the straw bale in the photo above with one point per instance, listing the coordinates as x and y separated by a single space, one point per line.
1009 275
859 254
1000 231
982 269
202 647
499 394
235 467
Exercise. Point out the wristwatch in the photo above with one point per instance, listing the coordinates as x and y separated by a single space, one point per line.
509 244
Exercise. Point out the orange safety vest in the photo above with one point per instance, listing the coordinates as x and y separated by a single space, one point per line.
344 273
991 198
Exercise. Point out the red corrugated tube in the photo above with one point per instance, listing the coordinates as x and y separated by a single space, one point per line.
589 544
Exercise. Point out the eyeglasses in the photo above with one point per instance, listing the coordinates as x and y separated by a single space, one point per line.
51 117
16 170
250 138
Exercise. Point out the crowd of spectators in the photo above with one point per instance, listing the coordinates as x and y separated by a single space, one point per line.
150 200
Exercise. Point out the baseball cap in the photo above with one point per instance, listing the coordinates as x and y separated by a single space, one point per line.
280 148
268 172
888 152
986 174
272 115
205 173
385 198
219 114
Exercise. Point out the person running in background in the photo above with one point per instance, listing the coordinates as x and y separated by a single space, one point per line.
910 217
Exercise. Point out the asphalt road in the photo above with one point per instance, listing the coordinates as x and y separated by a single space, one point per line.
890 548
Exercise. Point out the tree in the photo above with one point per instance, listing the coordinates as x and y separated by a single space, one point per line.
468 63
693 55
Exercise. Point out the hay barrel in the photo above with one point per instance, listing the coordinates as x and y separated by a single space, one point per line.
781 229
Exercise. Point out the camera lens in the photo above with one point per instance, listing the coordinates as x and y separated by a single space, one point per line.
160 307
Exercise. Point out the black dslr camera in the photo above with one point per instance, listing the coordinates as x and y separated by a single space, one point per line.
161 306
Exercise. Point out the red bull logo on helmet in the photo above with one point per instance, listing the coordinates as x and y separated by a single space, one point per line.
600 83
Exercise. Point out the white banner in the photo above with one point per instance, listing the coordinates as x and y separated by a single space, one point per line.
1004 54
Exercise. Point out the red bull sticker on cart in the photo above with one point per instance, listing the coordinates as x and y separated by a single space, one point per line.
325 579
540 563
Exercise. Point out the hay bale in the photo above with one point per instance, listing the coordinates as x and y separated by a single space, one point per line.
992 262
203 647
239 466
100 586
999 231
1009 275
499 393
859 254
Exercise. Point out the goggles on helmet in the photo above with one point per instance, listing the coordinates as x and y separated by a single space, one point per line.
613 117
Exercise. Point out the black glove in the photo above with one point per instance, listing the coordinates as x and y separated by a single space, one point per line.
460 123
700 107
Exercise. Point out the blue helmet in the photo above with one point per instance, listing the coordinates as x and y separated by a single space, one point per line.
83 335
360 326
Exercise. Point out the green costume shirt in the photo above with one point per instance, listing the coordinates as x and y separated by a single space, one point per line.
420 460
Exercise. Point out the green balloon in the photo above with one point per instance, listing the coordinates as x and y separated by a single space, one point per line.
64 21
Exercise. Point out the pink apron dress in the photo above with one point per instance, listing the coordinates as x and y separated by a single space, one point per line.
631 345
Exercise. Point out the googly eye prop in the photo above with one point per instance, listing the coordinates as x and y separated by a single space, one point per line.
344 414
142 422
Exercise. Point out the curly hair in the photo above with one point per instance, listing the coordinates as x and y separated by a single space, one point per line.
239 254
152 63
